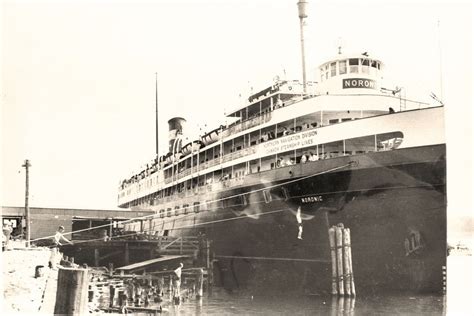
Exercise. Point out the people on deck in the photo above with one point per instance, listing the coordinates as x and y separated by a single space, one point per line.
303 158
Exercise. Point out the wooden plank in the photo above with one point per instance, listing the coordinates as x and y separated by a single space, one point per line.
143 264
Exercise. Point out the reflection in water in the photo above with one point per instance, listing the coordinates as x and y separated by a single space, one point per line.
223 303
342 305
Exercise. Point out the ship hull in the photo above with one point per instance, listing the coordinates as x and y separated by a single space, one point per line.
393 202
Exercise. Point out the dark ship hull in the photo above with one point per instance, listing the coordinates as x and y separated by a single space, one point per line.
394 202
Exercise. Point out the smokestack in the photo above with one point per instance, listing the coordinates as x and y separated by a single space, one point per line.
176 129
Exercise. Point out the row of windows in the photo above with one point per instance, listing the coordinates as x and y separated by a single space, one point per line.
277 193
359 145
352 65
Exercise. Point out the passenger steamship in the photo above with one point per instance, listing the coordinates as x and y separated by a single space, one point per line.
349 151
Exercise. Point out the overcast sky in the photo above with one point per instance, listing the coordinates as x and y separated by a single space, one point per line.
78 78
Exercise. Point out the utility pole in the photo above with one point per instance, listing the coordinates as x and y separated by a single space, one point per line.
26 165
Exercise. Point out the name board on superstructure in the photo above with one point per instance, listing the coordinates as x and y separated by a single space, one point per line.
290 142
358 83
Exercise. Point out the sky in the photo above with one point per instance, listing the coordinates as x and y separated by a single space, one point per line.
78 79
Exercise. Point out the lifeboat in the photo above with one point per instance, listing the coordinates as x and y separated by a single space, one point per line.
186 150
211 137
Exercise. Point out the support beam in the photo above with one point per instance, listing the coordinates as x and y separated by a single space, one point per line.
126 254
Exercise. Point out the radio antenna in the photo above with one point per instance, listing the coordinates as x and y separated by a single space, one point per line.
440 63
156 112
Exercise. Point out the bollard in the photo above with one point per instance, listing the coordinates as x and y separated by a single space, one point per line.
39 271
332 244
72 293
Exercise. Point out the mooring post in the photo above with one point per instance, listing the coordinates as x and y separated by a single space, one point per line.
349 259
332 245
96 257
72 292
111 269
126 254
347 268
340 269
208 246
200 280
112 295
170 288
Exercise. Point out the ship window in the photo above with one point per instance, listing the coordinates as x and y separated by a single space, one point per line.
353 65
176 210
196 207
374 64
365 66
342 67
185 208
333 69
346 119
267 196
333 121
168 212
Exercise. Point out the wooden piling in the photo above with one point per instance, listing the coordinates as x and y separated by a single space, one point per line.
339 252
111 295
111 269
200 280
332 244
96 257
126 254
349 260
72 293
170 288
346 266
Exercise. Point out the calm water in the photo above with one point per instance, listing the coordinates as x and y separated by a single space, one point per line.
225 304
458 301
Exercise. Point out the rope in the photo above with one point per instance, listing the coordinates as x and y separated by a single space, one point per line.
274 258
189 207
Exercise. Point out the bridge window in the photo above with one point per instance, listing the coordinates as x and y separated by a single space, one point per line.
333 69
353 65
365 66
342 67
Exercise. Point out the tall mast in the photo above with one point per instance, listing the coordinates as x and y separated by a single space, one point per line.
156 111
302 15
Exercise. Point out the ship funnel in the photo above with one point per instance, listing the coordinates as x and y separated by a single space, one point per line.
176 129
